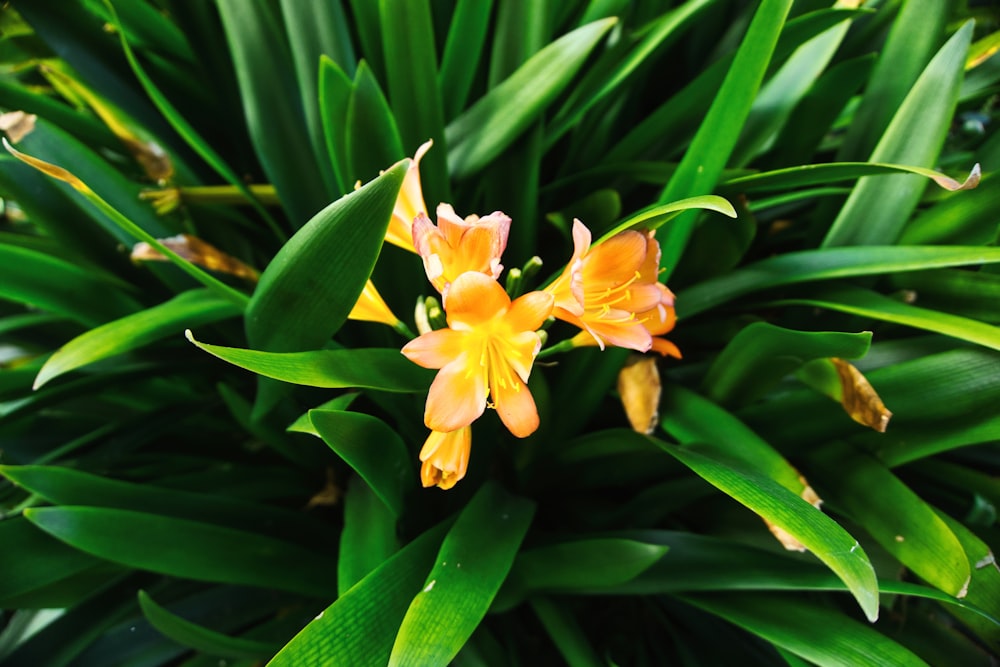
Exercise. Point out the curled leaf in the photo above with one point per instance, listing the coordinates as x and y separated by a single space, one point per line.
17 124
639 388
859 398
196 251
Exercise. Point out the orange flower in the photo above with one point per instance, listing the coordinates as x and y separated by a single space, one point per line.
456 245
611 292
445 457
409 204
370 307
486 352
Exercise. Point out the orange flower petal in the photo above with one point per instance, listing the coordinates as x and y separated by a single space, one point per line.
665 348
474 299
529 311
516 408
435 349
457 396
445 457
615 261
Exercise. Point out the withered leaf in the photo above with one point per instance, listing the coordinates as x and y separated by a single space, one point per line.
859 398
198 252
17 124
639 388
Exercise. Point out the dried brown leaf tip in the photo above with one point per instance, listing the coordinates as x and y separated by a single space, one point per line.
859 398
329 495
17 124
790 543
198 252
639 388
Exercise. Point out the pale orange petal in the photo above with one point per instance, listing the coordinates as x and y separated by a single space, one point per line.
457 396
516 409
631 335
521 349
435 349
615 261
474 299
445 457
529 311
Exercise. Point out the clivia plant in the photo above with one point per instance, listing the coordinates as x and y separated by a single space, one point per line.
339 333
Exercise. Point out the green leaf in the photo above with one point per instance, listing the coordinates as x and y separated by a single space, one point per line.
41 281
369 535
411 76
894 515
192 308
187 131
188 549
308 289
575 566
866 303
272 106
566 634
761 354
202 639
817 633
657 216
359 628
808 265
32 560
65 486
473 562
376 368
373 449
371 135
694 419
913 37
463 49
711 147
488 127
877 209
816 531
816 174
335 90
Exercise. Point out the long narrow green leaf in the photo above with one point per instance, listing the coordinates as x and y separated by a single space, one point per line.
866 303
367 368
473 562
359 628
41 281
816 633
411 76
816 531
192 308
335 89
194 636
188 549
761 354
463 50
499 117
317 29
566 634
816 174
187 131
876 211
272 106
371 136
827 264
369 535
373 449
709 152
894 515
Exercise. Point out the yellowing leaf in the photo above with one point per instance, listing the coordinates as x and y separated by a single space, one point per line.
639 388
859 398
196 251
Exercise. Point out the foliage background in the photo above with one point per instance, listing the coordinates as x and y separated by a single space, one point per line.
157 508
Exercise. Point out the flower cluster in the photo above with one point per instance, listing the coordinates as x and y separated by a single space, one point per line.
485 353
